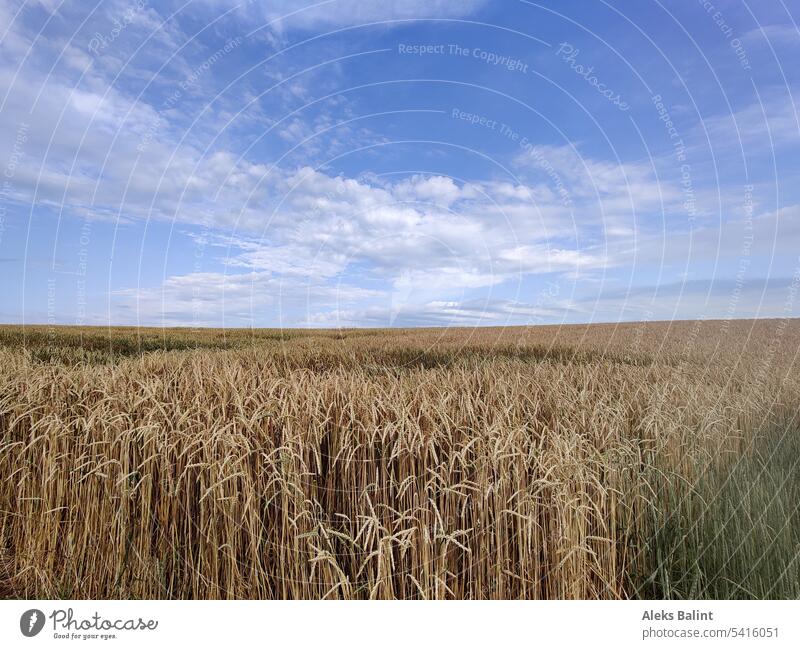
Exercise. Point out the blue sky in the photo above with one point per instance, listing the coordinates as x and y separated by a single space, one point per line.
402 163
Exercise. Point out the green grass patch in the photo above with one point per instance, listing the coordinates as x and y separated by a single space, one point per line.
733 535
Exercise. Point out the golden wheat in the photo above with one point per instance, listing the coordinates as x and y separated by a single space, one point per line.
491 463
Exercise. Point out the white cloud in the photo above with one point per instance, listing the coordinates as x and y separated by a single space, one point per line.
302 239
217 299
784 35
440 313
438 190
312 15
771 123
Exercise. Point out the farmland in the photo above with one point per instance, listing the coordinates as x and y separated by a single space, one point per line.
655 460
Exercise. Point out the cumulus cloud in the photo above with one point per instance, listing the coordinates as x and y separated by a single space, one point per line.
206 299
299 238
440 313
333 13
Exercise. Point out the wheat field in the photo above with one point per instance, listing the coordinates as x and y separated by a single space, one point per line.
654 460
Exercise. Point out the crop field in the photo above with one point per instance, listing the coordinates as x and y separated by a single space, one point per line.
655 460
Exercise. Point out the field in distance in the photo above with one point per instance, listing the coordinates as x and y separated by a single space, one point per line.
654 460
